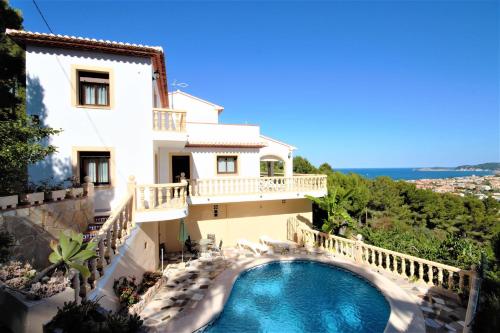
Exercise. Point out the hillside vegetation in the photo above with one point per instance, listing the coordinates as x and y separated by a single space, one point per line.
459 231
483 166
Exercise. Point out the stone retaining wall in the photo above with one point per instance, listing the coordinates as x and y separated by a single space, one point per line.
33 227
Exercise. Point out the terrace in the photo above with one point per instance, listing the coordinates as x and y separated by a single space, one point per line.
157 202
423 295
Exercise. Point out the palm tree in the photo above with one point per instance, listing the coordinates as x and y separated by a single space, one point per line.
334 204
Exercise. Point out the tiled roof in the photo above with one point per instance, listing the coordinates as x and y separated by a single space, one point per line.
71 42
89 41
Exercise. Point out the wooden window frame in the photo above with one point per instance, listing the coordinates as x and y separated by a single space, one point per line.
81 90
235 164
75 161
81 164
75 93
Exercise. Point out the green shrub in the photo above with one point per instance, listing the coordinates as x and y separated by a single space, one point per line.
6 241
90 317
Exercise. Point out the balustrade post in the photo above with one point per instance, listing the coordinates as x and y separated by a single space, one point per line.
119 232
102 259
440 277
109 247
403 267
85 286
387 261
88 187
93 272
131 184
75 284
450 280
168 199
431 275
395 265
155 119
421 271
142 200
475 283
412 268
358 249
152 197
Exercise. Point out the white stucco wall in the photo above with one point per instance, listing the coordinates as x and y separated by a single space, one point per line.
203 162
201 132
197 110
126 127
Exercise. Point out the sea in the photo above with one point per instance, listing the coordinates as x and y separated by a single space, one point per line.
413 173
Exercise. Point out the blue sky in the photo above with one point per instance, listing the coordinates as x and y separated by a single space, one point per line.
351 83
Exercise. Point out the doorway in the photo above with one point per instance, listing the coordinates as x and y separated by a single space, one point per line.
180 164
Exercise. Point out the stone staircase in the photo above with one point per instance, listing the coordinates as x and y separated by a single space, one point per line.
93 228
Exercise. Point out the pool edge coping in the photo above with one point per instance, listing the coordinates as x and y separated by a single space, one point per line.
405 315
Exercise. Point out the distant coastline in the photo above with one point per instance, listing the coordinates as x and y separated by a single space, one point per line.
492 166
413 173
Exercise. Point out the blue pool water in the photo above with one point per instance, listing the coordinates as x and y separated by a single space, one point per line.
302 296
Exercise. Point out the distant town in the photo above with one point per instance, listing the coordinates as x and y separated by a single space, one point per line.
479 186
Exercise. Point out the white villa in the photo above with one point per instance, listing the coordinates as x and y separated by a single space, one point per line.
121 127
153 161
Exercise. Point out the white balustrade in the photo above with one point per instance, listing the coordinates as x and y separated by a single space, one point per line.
432 273
161 196
109 238
169 120
256 185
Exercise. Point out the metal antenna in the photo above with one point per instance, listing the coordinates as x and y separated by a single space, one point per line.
178 85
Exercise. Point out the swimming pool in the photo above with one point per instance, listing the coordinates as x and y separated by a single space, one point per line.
302 296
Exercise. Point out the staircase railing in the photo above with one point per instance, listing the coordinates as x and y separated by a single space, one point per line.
109 239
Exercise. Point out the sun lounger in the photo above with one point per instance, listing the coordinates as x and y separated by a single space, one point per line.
277 244
254 247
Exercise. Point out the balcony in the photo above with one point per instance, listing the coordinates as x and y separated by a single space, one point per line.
169 127
158 202
238 189
169 120
161 202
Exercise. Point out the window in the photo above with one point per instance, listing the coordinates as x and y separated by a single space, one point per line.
96 166
93 88
226 164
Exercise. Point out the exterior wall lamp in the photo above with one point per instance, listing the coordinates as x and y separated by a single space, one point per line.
156 75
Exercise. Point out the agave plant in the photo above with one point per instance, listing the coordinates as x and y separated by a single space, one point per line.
71 252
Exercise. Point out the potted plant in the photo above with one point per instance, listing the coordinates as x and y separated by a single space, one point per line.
53 191
76 190
32 194
9 201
